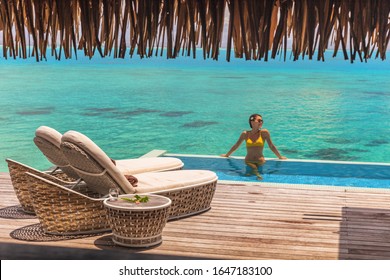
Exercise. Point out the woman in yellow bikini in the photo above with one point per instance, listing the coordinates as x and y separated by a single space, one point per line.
255 139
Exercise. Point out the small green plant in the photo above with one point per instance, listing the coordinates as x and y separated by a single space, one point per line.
137 199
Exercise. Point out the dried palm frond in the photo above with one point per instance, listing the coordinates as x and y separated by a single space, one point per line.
252 29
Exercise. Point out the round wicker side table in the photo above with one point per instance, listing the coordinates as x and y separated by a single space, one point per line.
137 225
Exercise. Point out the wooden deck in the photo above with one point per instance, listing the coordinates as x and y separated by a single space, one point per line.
245 222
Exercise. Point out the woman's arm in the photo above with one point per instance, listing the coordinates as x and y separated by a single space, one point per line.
267 136
235 146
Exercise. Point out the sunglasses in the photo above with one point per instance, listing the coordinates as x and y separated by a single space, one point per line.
259 121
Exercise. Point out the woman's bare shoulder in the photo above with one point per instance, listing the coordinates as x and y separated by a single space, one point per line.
244 134
265 132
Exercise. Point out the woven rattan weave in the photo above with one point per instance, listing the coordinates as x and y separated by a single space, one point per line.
61 210
190 200
19 181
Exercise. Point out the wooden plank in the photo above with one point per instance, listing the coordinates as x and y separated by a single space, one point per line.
245 222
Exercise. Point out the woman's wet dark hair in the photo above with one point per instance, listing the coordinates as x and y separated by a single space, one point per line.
252 118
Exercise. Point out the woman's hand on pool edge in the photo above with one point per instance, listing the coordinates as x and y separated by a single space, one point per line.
282 158
224 155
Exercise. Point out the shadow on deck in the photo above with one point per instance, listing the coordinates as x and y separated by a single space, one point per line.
365 233
11 251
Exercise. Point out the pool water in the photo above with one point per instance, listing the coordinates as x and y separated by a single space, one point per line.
368 175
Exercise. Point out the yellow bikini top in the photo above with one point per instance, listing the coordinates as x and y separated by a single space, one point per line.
258 143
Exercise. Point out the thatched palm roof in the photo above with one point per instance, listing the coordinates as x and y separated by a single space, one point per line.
254 29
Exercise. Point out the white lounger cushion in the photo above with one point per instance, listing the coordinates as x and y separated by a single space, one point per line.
125 166
86 170
141 165
48 140
49 134
160 181
52 136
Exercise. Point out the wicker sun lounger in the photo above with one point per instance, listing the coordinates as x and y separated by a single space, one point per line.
62 210
191 191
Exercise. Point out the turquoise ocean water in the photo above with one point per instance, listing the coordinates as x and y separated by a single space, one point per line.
331 110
